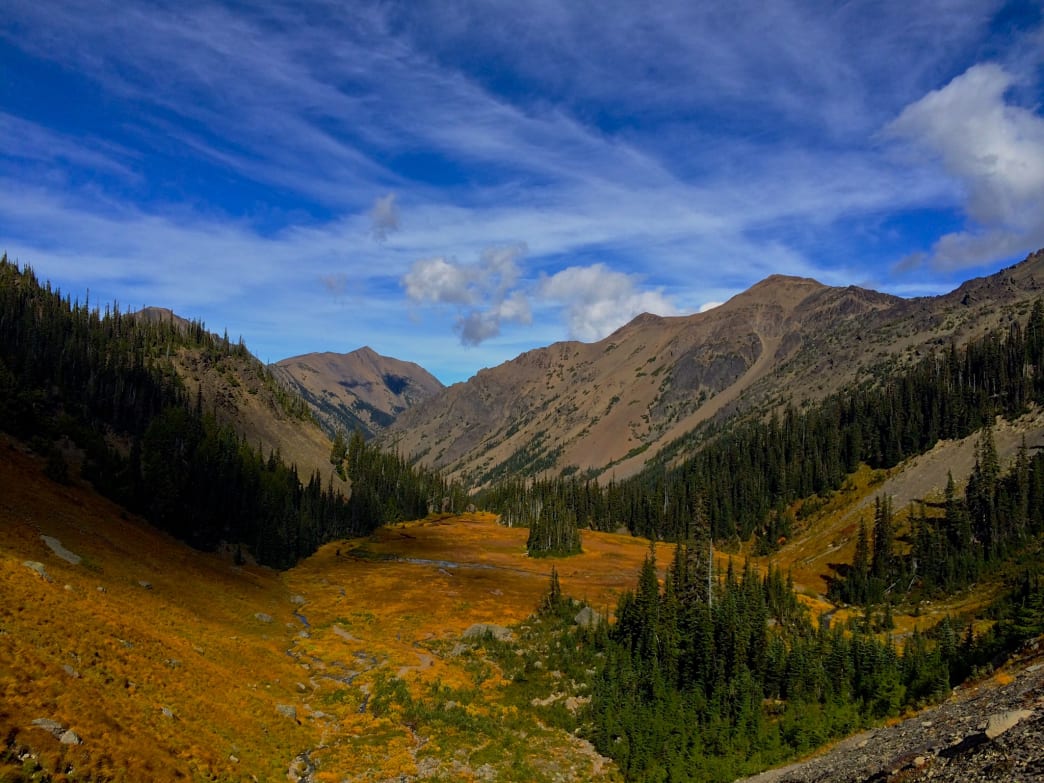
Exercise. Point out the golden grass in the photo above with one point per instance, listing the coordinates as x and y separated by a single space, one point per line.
181 681
189 645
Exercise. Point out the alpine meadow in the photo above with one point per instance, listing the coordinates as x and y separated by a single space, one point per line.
559 392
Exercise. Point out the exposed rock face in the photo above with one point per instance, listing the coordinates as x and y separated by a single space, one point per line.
609 406
986 732
359 390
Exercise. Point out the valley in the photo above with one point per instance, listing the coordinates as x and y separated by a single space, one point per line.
422 630
487 392
168 663
354 665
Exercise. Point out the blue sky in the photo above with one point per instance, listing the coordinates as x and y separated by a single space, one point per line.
455 182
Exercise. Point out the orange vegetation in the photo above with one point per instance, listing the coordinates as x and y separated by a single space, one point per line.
173 664
209 671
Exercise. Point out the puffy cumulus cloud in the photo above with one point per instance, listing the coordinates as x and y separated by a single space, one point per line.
996 151
485 291
477 326
709 306
598 299
442 280
384 217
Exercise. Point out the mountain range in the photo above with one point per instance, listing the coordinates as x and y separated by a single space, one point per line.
380 653
606 408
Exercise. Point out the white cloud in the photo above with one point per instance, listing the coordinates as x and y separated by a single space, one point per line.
483 291
384 217
441 280
598 299
593 151
477 326
995 150
709 306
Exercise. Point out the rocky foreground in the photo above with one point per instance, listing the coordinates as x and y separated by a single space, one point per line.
989 731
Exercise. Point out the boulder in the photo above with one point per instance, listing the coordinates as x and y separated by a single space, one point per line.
70 738
1002 721
52 726
482 630
61 551
38 568
587 617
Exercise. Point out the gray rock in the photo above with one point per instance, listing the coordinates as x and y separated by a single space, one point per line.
262 617
146 584
297 600
52 726
301 770
70 671
1002 721
287 710
167 712
70 738
587 617
481 630
61 551
38 568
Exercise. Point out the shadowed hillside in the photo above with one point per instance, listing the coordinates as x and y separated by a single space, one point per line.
361 390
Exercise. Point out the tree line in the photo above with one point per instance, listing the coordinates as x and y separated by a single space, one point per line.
952 543
708 679
107 381
746 473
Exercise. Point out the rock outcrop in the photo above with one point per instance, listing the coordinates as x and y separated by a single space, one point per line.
986 732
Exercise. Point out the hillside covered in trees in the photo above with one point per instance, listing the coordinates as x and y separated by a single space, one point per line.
705 675
106 382
748 471
712 675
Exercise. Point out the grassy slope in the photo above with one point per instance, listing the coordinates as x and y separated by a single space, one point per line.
358 631
827 538
181 680
190 643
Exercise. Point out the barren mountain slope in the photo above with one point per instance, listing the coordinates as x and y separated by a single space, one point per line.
361 389
607 407
242 393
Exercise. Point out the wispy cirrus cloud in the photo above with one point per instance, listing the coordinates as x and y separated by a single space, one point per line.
646 158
